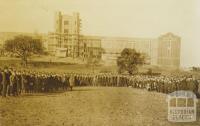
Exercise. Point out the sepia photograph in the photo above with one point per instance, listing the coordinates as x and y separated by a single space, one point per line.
99 63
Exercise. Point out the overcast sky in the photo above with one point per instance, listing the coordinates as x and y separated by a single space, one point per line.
130 18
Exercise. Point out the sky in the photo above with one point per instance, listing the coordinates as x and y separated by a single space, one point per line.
125 18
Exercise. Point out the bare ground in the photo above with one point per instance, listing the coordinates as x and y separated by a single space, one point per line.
89 106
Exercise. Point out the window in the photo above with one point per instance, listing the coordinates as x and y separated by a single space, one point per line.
66 22
190 102
169 48
181 102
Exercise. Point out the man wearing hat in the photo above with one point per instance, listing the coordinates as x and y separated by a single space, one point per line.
1 85
13 84
5 81
71 82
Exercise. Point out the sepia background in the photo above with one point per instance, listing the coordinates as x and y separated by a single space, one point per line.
66 77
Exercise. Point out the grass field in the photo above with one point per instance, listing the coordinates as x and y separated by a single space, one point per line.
59 65
89 106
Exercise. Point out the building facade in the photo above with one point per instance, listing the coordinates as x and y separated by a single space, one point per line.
61 40
90 46
66 35
113 46
69 41
161 51
169 48
68 24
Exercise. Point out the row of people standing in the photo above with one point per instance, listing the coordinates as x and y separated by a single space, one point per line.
159 83
14 83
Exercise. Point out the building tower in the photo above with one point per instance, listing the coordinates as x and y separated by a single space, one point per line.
67 30
169 47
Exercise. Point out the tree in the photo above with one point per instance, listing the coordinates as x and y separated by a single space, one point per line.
129 61
24 47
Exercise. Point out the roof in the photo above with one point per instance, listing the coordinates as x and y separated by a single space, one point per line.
182 94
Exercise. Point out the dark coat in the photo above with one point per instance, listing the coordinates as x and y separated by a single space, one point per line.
6 78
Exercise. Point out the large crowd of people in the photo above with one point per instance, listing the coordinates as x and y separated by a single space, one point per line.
15 82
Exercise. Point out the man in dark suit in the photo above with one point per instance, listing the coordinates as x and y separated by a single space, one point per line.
1 85
71 82
13 84
5 81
